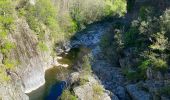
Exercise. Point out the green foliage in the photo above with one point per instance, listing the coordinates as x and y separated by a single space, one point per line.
130 4
6 47
161 42
42 46
6 25
67 95
3 75
83 79
10 64
159 64
119 7
165 18
66 22
43 11
3 34
134 74
6 17
145 12
88 11
165 90
86 66
33 23
131 37
97 89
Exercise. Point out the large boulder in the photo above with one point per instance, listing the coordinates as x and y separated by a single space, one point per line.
74 77
136 93
87 92
121 93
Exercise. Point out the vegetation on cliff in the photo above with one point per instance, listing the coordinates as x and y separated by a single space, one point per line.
141 47
54 20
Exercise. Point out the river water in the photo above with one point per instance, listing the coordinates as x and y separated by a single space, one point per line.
55 78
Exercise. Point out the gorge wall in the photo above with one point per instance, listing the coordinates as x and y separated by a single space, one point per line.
32 28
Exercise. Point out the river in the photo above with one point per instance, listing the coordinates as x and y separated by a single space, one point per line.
89 39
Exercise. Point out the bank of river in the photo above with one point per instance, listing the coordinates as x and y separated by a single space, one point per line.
89 39
54 76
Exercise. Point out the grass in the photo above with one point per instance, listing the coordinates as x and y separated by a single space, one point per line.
98 89
67 95
42 46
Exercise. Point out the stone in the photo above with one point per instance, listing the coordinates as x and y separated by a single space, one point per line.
165 98
121 92
63 47
136 93
32 2
74 77
86 92
149 73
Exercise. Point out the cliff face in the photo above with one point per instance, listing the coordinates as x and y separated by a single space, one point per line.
30 72
35 23
32 61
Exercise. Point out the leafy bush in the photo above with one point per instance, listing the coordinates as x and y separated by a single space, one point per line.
6 47
159 64
161 42
67 95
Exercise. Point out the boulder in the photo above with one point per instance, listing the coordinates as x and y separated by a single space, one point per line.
165 98
74 77
121 92
87 92
32 2
136 93
63 47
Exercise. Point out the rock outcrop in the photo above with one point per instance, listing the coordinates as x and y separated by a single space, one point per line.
137 94
87 92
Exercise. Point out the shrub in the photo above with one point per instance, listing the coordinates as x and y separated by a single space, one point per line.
165 18
131 37
10 64
119 7
3 75
67 95
159 64
86 66
165 90
132 74
83 79
42 46
145 12
98 89
6 47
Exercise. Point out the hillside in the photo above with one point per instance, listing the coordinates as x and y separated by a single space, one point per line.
84 50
